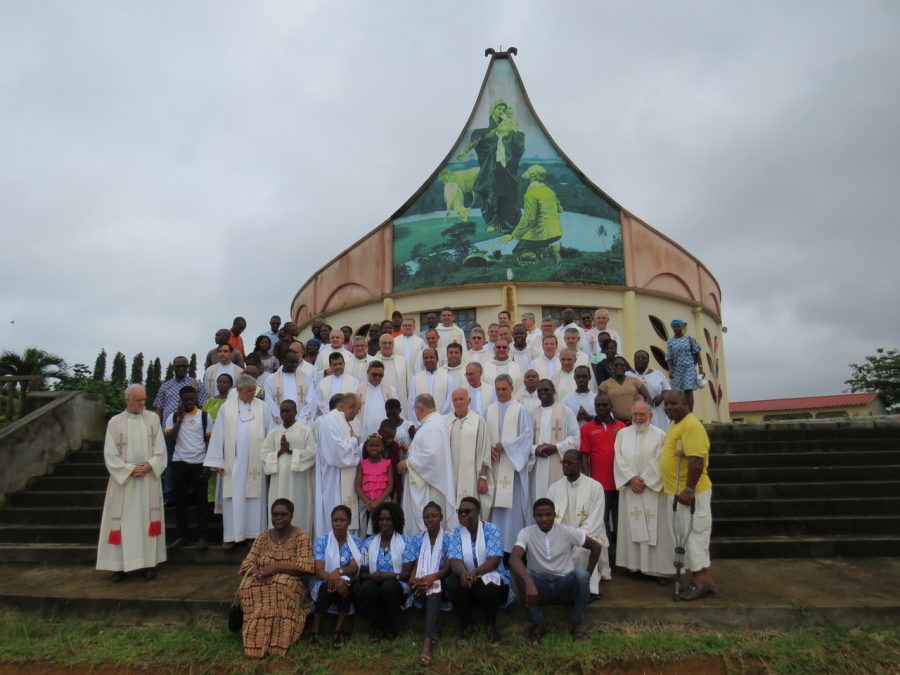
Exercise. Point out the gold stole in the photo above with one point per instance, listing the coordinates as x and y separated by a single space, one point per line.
257 436
349 497
465 476
557 434
278 387
116 498
504 471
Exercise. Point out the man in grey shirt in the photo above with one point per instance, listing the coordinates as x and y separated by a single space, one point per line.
551 577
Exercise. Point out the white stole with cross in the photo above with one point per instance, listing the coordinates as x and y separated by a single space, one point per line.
230 411
278 387
637 454
548 470
504 471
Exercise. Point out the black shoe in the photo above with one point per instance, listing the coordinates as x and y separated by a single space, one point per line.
179 543
149 574
117 577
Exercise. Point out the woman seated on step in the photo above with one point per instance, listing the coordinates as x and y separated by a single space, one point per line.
273 592
335 584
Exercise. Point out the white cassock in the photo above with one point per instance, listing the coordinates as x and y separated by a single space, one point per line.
337 454
456 377
235 446
429 475
372 399
642 545
212 374
546 368
396 375
325 351
580 504
480 399
508 367
318 397
521 357
470 445
529 399
565 384
555 424
434 383
481 356
447 335
292 474
577 400
656 384
510 424
583 343
132 529
281 386
410 348
357 368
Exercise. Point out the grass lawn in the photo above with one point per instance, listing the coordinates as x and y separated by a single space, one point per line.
31 644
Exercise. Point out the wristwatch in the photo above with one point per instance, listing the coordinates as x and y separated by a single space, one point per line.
689 489
340 571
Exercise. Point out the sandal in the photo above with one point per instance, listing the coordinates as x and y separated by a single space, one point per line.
338 641
424 659
694 592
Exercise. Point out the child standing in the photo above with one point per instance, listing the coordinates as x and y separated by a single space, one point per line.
374 480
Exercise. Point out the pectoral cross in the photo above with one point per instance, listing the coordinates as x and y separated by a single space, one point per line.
556 430
582 515
635 513
505 482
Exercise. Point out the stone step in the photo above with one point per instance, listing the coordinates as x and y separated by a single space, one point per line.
76 533
782 432
90 456
75 515
821 489
69 483
801 474
806 507
860 525
845 546
861 458
37 498
87 554
819 445
87 469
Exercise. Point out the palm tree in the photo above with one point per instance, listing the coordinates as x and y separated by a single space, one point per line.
33 361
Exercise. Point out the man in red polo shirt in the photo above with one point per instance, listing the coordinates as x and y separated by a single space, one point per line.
234 335
598 439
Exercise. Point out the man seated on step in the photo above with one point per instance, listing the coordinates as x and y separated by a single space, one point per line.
551 577
683 464
188 430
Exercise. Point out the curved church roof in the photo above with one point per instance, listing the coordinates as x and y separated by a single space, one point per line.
506 205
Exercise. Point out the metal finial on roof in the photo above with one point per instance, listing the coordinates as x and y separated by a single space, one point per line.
501 54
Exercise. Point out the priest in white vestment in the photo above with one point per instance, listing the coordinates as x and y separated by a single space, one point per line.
335 344
357 366
225 366
571 341
657 384
397 372
565 376
556 432
481 393
455 368
429 380
641 545
338 452
509 425
547 362
581 401
132 528
502 364
519 351
235 454
536 337
428 469
478 351
470 445
601 325
289 459
449 333
373 394
338 382
567 321
579 502
432 342
288 382
409 345
527 393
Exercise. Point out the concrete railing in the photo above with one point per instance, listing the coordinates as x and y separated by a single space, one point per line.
30 446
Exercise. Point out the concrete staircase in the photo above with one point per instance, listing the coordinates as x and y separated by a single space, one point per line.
784 490
811 489
57 518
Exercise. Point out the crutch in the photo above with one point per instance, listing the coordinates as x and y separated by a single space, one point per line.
680 539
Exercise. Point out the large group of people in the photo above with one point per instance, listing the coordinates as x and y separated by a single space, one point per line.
378 469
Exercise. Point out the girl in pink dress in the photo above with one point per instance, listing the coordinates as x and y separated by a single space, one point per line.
374 480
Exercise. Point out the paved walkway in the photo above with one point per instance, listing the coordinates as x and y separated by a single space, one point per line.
752 593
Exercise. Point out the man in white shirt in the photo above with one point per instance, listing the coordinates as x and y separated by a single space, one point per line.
481 393
408 344
601 324
547 363
396 368
527 319
336 344
536 339
478 353
519 350
358 365
373 394
582 399
430 380
527 394
432 341
456 371
551 577
501 363
449 332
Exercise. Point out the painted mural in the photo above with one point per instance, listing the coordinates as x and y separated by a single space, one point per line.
506 207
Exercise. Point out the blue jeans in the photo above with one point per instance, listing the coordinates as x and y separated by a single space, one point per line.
573 588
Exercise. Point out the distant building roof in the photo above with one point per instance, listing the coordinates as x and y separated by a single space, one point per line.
803 403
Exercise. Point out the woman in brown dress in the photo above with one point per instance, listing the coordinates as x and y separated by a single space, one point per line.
623 389
274 594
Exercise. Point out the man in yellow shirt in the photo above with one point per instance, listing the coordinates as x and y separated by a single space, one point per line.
687 481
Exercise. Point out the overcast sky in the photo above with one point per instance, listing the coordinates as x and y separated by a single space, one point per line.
169 165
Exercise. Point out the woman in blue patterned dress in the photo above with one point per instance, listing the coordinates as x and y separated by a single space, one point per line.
337 557
427 556
479 576
683 360
382 578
